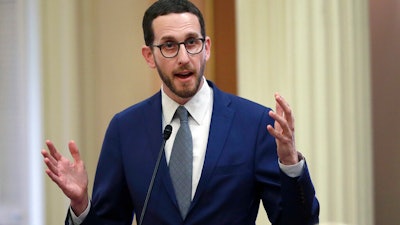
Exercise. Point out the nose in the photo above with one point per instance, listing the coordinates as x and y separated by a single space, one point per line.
183 55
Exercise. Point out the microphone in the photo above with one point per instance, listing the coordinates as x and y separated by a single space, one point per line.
166 134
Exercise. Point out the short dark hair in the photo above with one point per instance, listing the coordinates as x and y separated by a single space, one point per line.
165 7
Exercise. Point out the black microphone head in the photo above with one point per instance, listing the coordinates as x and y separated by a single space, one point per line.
167 132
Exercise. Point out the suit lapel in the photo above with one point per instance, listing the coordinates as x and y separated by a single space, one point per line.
220 125
153 118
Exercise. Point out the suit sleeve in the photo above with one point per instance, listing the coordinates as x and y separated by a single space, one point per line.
287 201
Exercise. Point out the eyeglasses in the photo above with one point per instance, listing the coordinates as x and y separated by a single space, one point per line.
170 49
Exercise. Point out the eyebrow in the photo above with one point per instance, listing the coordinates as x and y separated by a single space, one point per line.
188 35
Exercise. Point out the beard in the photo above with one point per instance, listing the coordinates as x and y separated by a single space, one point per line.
186 91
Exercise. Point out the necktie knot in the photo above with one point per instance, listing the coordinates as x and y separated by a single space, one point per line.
182 114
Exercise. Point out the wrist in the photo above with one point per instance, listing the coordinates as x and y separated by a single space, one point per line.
293 159
79 206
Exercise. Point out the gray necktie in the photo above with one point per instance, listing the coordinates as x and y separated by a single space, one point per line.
181 163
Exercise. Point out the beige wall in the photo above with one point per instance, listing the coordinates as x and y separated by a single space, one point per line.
113 73
385 60
92 69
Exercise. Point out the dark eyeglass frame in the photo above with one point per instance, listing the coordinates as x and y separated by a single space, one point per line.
185 43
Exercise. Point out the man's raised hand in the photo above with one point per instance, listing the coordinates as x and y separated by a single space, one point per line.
71 177
283 131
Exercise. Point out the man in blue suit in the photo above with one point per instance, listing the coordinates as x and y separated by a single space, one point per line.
241 153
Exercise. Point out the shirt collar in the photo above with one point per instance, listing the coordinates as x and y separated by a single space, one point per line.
196 106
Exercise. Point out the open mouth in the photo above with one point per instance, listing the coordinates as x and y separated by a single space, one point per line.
185 74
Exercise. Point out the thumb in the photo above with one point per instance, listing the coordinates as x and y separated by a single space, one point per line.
73 148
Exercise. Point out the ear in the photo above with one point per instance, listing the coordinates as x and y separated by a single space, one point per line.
208 47
148 56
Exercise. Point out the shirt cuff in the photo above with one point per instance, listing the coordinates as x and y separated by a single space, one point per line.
292 170
77 220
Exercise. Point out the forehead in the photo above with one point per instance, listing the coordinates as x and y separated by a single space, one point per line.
176 25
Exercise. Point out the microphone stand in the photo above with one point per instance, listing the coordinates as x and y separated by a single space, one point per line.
166 135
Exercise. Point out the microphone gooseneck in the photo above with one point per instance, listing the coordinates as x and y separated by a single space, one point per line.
166 134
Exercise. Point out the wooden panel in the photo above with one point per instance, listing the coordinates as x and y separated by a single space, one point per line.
385 71
224 45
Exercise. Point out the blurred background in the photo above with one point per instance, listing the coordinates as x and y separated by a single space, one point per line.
67 66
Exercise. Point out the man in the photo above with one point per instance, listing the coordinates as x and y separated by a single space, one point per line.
236 157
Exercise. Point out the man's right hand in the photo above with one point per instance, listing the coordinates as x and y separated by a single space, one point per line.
71 177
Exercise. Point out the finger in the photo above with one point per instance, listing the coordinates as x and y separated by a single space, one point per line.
50 166
273 131
73 148
48 156
280 137
286 110
53 151
53 177
281 124
278 107
276 131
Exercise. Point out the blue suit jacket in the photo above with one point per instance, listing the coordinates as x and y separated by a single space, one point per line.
240 169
